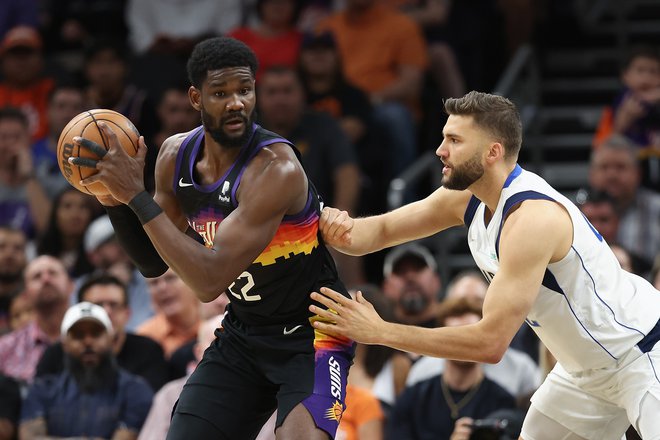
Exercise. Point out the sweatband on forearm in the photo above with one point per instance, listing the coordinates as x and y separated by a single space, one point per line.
135 241
145 207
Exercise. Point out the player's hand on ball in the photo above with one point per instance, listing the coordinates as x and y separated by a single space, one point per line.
120 173
336 227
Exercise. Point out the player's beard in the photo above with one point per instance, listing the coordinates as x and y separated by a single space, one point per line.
92 378
464 175
215 129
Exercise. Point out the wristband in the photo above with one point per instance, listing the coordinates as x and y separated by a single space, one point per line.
144 207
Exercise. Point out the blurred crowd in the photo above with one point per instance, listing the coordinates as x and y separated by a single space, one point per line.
89 347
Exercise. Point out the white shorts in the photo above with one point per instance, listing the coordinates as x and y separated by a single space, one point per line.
601 404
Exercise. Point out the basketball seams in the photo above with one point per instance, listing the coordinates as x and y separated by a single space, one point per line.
77 127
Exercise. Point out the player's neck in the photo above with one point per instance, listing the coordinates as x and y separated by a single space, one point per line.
489 187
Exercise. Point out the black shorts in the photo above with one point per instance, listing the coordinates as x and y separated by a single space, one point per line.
249 372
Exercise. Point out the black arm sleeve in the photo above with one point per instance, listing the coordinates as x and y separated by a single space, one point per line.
135 241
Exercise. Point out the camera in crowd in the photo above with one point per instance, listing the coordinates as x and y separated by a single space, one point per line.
500 425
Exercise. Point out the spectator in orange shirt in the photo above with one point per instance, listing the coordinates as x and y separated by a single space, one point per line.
23 85
177 316
275 39
363 418
384 53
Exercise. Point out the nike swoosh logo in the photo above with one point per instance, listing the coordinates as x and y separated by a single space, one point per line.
288 332
183 184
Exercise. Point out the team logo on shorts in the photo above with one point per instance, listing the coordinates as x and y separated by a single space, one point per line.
335 412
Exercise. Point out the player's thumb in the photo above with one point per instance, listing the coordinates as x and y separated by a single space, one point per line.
142 149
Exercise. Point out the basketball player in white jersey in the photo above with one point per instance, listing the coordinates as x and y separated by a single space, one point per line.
547 266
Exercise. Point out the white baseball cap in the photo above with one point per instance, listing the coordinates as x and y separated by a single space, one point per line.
98 232
85 310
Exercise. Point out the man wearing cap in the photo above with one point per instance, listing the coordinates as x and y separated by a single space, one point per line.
106 255
23 85
136 354
92 397
413 284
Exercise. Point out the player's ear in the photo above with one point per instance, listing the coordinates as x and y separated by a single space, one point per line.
195 97
495 152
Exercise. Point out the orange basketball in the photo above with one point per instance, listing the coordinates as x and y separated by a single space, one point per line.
85 125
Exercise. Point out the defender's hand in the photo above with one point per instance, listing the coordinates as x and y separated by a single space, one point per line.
336 227
357 320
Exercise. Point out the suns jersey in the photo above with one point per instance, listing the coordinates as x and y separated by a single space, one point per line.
589 312
275 288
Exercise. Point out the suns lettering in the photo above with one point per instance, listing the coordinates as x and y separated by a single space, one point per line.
206 230
335 377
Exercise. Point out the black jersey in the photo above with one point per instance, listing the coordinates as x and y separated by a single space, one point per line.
275 288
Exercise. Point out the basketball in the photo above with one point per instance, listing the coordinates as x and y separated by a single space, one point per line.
86 126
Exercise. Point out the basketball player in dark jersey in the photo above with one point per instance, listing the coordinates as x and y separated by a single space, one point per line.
243 190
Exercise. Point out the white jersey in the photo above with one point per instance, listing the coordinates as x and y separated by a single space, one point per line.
589 311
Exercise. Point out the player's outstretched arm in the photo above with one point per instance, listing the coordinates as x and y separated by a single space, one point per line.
440 210
538 233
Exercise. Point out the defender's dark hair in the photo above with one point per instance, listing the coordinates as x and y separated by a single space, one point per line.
219 53
493 113
102 279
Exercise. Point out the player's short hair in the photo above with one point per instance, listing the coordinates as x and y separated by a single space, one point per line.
218 53
640 51
493 113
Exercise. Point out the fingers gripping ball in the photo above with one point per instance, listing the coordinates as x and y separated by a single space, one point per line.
86 126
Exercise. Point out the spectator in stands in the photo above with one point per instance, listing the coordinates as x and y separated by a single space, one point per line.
24 203
92 397
106 255
64 102
635 112
327 154
10 407
383 52
23 84
363 417
275 39
21 312
614 169
13 259
516 372
432 408
18 12
70 25
412 282
327 90
106 71
175 115
173 28
432 16
48 287
71 214
158 420
177 316
599 208
136 354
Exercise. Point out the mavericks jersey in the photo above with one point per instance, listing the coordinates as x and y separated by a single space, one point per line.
589 311
275 288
